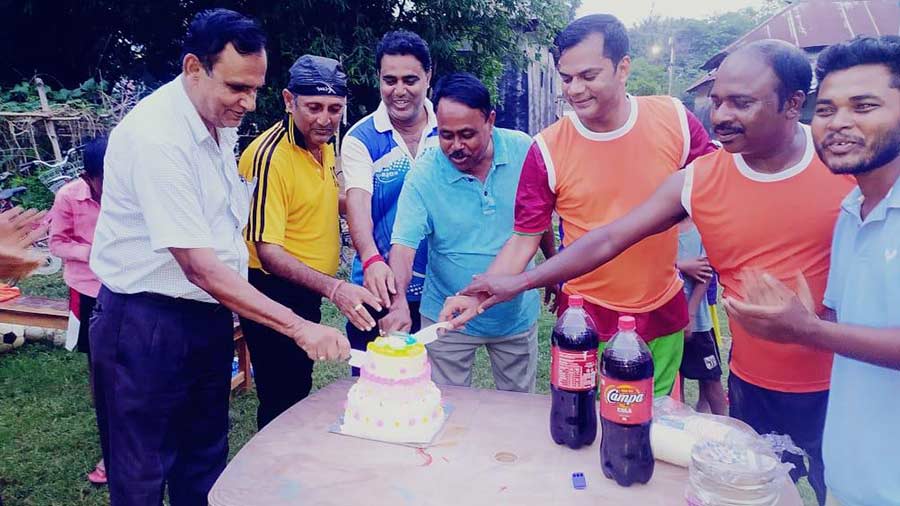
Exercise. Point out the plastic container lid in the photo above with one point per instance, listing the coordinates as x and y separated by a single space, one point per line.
576 301
627 323
730 474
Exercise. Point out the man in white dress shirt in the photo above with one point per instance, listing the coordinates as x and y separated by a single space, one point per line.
170 252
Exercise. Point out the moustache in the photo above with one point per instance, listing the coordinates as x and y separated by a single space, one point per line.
459 154
727 128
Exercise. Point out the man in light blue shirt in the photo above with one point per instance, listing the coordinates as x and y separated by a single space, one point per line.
856 128
461 199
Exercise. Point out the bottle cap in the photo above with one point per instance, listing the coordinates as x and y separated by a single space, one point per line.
576 301
627 323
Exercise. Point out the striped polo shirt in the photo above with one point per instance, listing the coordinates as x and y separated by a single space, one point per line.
374 158
295 204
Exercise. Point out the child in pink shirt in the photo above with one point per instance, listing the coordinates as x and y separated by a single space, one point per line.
73 219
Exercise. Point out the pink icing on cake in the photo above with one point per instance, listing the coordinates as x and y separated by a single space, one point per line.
426 374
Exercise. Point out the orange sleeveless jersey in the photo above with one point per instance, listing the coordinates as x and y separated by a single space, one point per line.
782 224
599 177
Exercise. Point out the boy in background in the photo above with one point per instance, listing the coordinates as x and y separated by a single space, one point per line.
700 360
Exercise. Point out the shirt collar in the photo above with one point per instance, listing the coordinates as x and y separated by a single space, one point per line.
587 133
501 158
81 191
294 135
383 121
227 136
893 196
852 203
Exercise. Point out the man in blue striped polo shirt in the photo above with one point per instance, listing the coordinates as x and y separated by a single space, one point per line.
376 155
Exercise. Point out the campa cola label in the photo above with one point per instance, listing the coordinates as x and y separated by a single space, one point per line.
627 402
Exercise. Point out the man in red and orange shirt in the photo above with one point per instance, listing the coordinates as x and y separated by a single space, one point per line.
765 202
593 166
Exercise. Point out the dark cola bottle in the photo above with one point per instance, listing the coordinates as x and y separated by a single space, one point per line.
626 407
573 377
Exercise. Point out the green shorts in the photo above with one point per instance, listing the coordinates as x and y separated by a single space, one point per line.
666 351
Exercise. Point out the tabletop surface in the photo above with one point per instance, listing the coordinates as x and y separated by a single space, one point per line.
26 303
494 449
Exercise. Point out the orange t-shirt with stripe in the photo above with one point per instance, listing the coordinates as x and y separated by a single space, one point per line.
778 223
599 177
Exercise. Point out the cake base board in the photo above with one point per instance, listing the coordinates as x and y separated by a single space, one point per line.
448 410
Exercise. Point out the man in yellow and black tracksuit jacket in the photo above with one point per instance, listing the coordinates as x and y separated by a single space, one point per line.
293 232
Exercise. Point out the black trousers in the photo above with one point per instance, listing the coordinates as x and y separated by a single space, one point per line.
282 370
162 377
801 416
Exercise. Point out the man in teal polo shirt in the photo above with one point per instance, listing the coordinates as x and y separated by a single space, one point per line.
461 199
856 129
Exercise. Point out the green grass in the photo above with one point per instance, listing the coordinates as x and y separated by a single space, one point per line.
48 438
51 286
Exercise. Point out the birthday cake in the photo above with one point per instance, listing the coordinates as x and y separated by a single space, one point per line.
394 399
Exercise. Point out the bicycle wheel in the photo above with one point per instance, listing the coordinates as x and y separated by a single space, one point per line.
50 265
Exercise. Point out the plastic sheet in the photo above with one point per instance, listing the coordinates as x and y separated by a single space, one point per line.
729 463
731 474
677 428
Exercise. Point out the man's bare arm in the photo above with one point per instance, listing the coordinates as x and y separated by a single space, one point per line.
204 269
660 212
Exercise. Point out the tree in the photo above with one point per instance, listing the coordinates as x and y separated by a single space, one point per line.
69 41
695 41
646 78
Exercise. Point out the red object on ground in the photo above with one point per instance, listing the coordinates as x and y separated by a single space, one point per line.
8 292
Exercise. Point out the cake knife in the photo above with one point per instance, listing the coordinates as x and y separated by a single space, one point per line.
357 358
427 335
430 334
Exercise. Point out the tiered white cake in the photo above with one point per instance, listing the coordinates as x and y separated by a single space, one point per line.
394 399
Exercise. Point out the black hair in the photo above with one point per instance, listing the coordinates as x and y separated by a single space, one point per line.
94 151
615 37
402 42
861 50
211 30
466 89
788 62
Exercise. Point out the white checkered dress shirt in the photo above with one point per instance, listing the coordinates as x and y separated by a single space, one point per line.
167 184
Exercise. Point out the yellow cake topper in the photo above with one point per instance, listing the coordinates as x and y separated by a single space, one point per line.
396 345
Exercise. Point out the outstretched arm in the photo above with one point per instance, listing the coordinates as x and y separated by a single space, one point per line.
659 213
774 312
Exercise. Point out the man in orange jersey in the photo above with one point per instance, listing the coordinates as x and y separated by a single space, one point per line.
593 166
856 128
753 205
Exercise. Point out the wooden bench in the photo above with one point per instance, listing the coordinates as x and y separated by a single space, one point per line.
30 311
36 312
242 379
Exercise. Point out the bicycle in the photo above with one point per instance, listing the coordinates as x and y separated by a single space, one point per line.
54 175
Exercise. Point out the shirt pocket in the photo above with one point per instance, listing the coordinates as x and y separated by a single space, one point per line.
240 200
